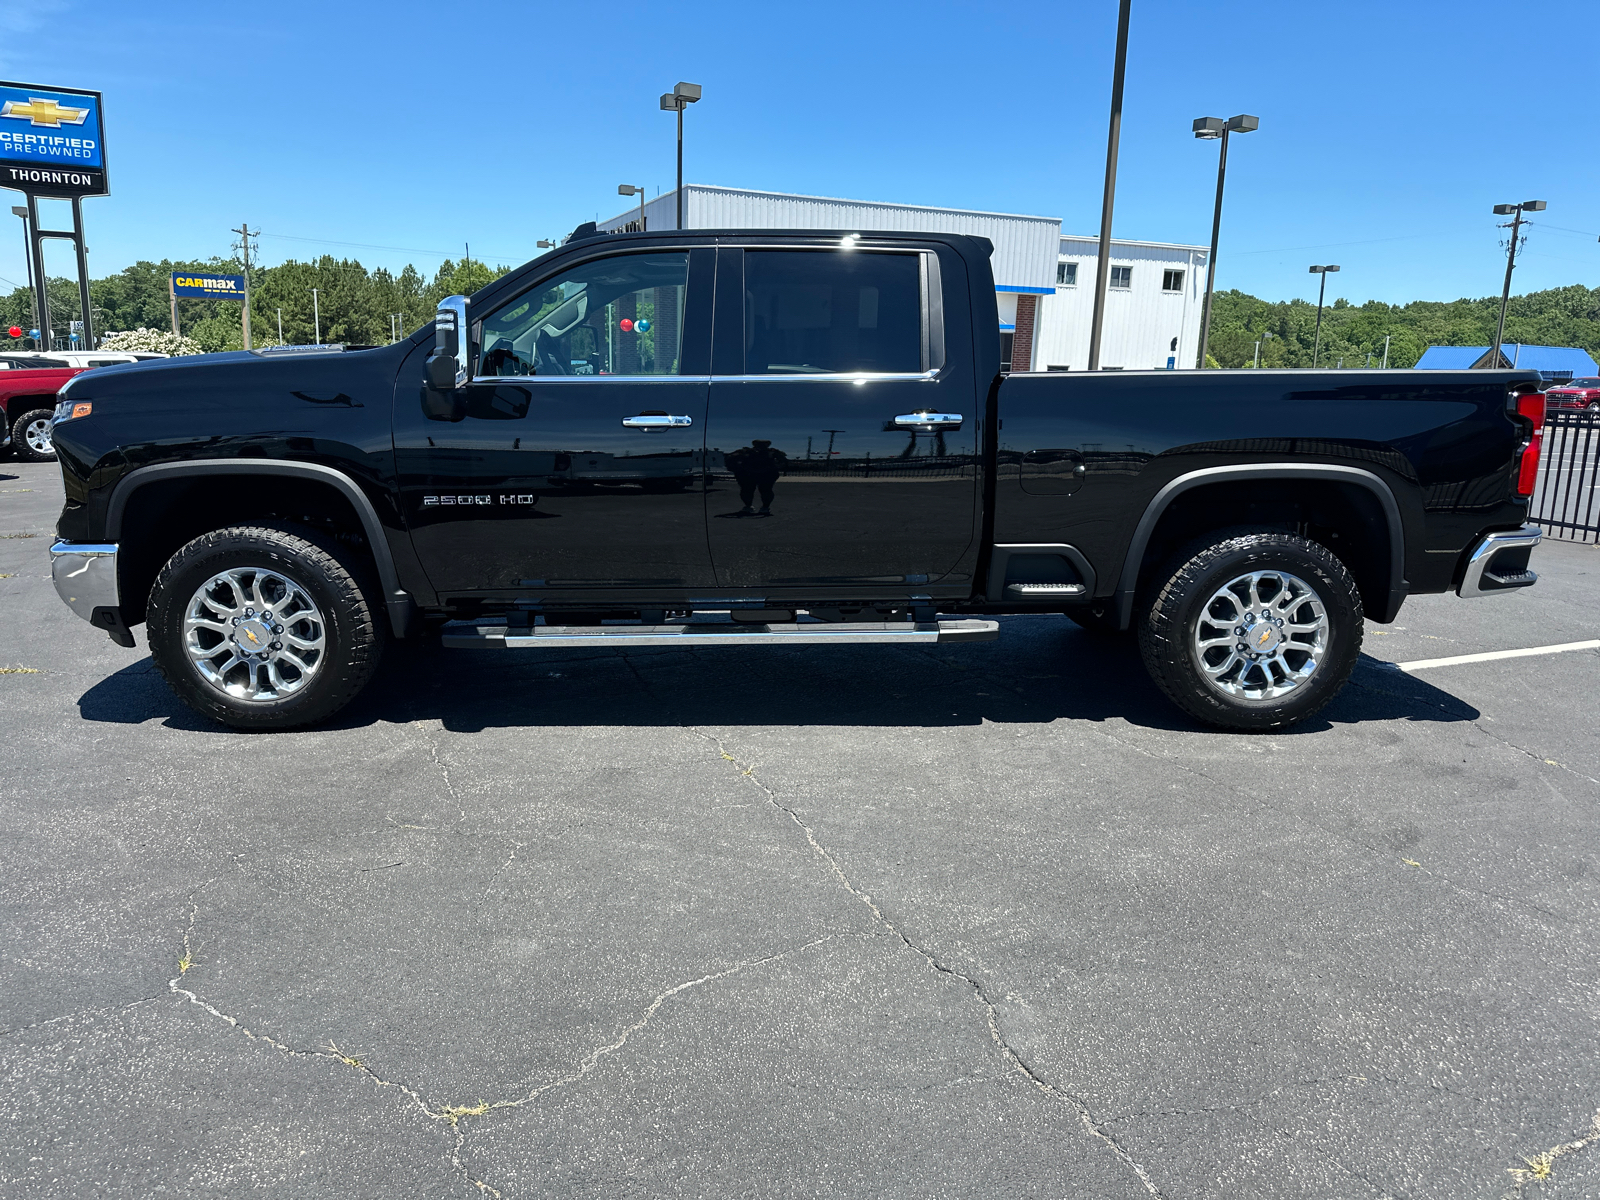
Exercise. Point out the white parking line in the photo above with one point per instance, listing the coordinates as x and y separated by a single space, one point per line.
1489 656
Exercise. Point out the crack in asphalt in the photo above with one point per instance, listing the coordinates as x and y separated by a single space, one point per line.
1541 1167
1091 1125
78 1012
432 744
451 1116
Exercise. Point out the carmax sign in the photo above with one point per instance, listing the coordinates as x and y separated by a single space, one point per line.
208 287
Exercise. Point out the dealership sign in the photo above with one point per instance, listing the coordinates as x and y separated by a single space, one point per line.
52 141
208 287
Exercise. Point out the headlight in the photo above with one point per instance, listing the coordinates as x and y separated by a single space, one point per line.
67 410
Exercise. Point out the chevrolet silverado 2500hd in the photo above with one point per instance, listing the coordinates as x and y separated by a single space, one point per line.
768 438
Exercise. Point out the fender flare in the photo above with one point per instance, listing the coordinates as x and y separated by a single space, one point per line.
402 608
1128 581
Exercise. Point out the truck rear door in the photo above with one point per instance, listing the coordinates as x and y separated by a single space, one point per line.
841 443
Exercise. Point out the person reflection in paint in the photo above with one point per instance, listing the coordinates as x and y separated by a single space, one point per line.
756 468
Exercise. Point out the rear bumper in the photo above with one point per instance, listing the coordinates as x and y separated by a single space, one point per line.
85 575
1499 563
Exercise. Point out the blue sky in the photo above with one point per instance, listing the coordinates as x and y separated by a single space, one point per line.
1388 130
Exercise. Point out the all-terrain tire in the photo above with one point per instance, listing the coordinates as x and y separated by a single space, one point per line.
337 582
1167 628
34 424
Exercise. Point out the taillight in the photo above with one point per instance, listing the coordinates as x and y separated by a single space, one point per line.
1530 407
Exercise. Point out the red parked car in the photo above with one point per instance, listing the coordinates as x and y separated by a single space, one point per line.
1577 393
27 403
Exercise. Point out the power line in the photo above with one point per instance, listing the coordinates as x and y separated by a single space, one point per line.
499 258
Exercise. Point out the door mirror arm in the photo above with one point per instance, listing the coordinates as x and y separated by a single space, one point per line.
448 368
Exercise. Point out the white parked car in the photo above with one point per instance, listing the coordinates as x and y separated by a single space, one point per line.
81 359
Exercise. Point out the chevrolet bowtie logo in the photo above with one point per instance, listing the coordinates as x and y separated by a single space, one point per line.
1265 635
43 112
251 636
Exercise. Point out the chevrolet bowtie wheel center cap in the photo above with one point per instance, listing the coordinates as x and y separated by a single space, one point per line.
1260 636
254 634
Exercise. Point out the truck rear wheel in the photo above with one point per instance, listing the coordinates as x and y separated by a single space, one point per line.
1257 631
263 628
30 436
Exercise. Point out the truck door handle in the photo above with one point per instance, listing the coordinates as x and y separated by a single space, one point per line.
656 421
928 421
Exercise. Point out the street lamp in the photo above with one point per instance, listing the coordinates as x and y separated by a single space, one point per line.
1263 338
1208 129
1321 289
628 189
678 99
1514 211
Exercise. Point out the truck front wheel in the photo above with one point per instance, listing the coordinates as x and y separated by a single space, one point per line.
1257 631
263 628
30 436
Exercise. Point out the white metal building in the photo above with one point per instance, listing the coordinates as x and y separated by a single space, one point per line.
1044 282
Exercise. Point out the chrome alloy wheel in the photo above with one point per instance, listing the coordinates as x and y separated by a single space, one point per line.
1261 636
254 634
37 434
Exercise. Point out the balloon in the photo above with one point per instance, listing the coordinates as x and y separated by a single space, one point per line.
15 331
642 325
625 325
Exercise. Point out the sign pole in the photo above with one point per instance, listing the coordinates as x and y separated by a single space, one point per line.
172 294
41 287
83 271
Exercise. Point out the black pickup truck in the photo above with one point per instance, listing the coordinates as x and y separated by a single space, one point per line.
768 438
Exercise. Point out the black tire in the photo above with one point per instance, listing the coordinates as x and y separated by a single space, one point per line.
340 587
1099 619
37 422
1168 624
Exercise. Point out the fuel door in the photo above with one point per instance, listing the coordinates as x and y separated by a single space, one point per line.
1052 472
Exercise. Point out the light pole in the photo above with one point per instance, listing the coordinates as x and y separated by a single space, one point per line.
1386 338
280 326
316 318
1264 337
628 189
1322 288
1108 199
678 99
1208 129
1514 211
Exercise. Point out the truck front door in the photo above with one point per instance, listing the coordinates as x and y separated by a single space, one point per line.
579 467
840 442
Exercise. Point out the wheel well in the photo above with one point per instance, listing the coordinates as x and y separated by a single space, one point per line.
1347 518
166 514
15 406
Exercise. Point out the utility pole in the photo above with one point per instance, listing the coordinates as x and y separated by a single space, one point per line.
1514 211
244 248
1322 289
1103 269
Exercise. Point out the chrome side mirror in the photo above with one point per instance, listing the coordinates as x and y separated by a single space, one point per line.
449 366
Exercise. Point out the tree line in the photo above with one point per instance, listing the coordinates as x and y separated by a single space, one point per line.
352 304
355 305
1566 316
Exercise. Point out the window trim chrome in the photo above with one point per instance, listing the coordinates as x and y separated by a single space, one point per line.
837 376
526 380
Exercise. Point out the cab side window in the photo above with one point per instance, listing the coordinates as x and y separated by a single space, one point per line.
814 312
621 315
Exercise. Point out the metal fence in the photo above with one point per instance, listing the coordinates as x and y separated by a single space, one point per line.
1566 500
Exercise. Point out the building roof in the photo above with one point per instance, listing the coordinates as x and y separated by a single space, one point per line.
1116 241
1547 360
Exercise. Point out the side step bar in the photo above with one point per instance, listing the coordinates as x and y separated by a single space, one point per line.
469 636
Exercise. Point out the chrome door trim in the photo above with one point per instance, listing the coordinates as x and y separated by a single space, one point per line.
524 380
836 376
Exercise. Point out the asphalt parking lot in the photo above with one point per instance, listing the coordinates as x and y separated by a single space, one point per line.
977 920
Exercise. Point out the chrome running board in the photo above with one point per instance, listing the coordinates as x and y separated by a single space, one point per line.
464 635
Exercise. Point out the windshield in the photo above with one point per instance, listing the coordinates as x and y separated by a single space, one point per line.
1583 383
